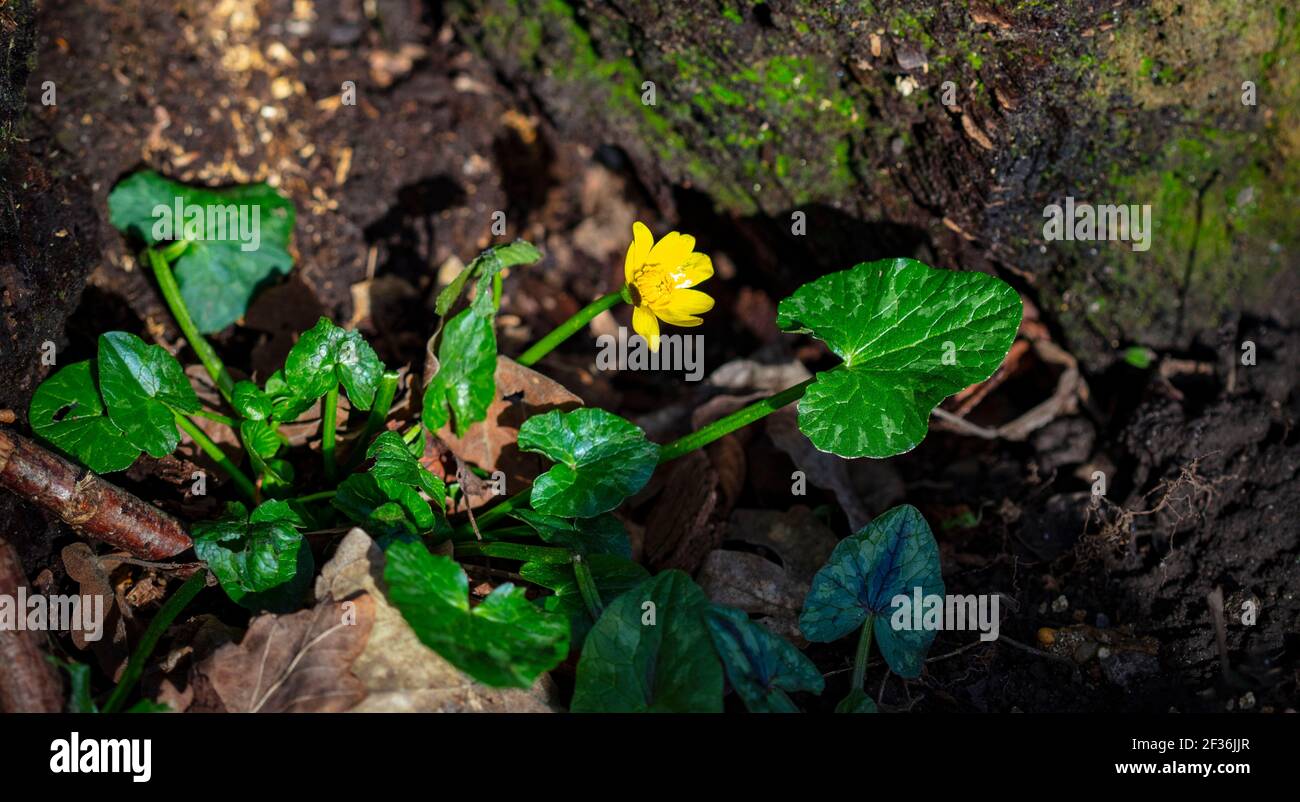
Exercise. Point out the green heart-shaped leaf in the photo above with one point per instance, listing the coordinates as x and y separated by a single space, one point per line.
465 384
909 335
250 401
612 574
651 652
894 555
261 560
761 666
503 641
241 243
144 387
601 460
326 356
66 411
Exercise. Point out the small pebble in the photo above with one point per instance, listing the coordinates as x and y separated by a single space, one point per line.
1247 701
1061 604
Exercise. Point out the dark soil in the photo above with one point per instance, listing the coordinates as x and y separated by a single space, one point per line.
1201 454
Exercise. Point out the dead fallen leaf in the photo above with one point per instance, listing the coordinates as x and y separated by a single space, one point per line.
490 444
296 663
822 469
92 575
399 673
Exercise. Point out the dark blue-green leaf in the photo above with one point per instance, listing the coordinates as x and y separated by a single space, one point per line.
761 666
612 574
892 556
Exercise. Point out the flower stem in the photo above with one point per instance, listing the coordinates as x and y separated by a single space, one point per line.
587 587
135 666
514 551
378 414
864 651
171 292
214 452
219 418
722 426
323 495
568 328
329 432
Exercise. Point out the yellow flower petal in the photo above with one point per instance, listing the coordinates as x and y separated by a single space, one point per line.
697 269
638 250
671 251
684 321
685 302
646 324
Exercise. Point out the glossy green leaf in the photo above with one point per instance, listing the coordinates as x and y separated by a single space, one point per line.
365 503
144 387
760 665
892 556
505 640
326 356
465 384
250 401
238 239
604 534
286 405
909 336
66 411
259 438
600 459
261 560
651 652
396 467
612 574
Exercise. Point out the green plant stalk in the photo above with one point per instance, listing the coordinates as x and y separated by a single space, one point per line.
246 487
684 445
324 495
587 587
135 666
378 414
219 418
568 328
329 432
726 425
171 292
496 290
864 651
515 551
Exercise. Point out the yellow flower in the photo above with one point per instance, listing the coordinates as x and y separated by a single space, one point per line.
659 277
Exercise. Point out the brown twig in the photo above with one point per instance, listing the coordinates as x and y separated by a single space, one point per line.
86 502
28 683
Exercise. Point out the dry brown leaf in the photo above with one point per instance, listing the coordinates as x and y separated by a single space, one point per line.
298 663
490 444
92 575
821 469
399 673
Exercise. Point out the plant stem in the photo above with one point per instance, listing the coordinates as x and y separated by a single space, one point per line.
514 551
499 511
323 495
587 587
410 434
864 651
568 328
135 666
246 487
378 414
171 292
741 417
329 432
219 418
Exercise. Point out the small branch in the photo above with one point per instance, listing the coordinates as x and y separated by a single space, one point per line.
28 684
86 502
